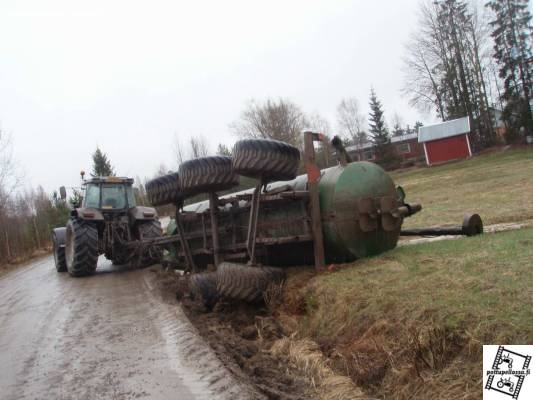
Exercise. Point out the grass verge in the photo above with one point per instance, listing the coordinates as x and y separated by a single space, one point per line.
411 323
497 186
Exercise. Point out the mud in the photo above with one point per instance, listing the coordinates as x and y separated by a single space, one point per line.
108 336
242 336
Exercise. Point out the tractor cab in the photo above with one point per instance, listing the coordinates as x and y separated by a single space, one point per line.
109 194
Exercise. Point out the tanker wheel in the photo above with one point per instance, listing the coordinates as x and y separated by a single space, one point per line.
59 254
247 283
472 225
147 230
164 190
81 249
207 174
270 160
203 287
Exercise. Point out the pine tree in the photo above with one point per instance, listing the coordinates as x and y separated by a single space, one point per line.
378 129
101 164
512 51
223 150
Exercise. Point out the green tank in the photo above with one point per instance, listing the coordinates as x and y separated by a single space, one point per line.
361 210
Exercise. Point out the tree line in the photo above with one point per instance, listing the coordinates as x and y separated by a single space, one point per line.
469 59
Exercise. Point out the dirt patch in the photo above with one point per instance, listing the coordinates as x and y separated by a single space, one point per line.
242 336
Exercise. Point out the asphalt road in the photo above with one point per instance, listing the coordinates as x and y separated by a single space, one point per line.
107 336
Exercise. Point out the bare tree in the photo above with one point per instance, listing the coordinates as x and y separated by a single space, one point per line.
445 64
196 147
397 124
199 147
280 120
10 176
318 123
351 121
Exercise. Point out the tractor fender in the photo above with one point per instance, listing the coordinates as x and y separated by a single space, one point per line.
89 214
60 235
141 213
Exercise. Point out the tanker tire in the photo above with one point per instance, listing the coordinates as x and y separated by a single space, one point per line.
203 287
146 230
59 256
207 174
241 282
81 250
164 190
271 159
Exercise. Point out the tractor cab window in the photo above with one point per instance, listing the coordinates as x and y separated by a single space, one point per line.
113 197
92 196
109 196
131 197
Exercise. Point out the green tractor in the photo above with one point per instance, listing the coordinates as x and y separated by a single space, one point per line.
106 222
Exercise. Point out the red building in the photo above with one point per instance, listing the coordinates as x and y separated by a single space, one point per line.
406 148
446 141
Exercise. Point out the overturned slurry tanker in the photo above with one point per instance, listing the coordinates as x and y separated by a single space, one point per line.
335 215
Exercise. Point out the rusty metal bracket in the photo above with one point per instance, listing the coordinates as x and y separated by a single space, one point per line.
252 222
313 176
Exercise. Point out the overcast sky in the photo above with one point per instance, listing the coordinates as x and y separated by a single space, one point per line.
128 76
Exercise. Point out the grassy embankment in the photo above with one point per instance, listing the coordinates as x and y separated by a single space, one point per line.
498 186
411 323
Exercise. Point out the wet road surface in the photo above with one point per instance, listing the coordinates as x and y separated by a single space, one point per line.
107 336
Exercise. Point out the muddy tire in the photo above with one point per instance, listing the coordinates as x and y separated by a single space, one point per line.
207 174
147 230
58 239
242 282
271 159
203 287
81 249
164 190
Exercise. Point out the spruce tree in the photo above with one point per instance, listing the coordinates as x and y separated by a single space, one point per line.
378 130
512 51
101 164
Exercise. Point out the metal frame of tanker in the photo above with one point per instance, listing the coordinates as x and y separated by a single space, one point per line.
389 211
239 250
387 208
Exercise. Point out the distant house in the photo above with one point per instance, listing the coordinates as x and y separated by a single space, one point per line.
406 148
446 141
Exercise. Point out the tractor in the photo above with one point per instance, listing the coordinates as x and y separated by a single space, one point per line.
107 221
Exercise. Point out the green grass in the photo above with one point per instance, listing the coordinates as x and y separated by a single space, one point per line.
484 283
498 186
423 311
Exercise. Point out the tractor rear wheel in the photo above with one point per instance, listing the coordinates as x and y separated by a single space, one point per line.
248 283
270 159
148 230
81 249
207 174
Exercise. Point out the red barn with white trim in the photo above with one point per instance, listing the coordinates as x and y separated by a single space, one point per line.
446 141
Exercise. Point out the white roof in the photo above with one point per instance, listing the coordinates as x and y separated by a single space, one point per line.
355 147
369 144
402 138
442 130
